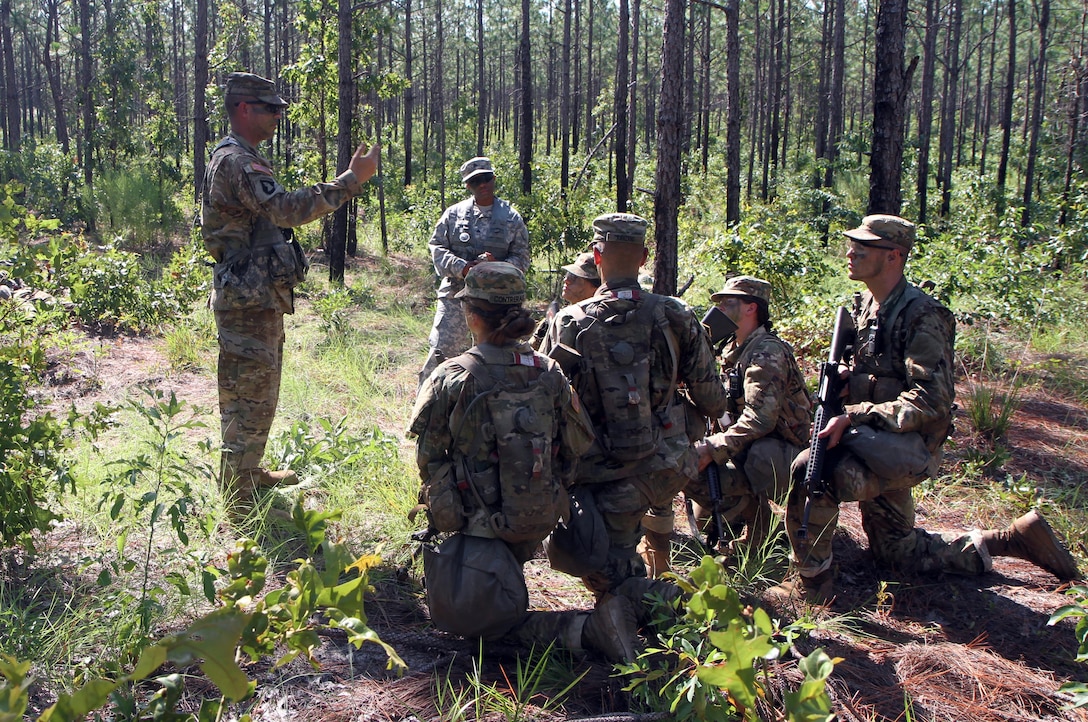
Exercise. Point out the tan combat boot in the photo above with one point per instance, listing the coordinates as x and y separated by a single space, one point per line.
1030 537
654 549
265 479
611 630
818 590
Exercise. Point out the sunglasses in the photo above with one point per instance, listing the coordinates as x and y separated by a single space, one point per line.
482 178
263 107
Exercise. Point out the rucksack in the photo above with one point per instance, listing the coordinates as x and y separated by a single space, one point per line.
614 381
524 424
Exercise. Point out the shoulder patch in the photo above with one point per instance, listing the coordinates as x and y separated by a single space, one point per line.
259 168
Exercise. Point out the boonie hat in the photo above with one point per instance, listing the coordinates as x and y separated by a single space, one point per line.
496 282
260 88
474 167
583 267
892 229
744 286
619 228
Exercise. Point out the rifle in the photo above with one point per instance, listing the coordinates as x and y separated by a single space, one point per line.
714 483
829 406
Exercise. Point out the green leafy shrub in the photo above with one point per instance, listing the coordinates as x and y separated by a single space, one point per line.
316 598
110 288
714 662
1077 610
32 468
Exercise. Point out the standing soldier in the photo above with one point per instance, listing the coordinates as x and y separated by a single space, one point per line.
627 352
245 219
890 438
481 228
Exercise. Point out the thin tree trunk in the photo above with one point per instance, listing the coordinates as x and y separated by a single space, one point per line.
669 126
732 123
564 106
481 97
1006 112
525 141
1075 89
409 93
632 113
12 135
52 72
925 108
337 245
1036 111
948 107
200 85
619 137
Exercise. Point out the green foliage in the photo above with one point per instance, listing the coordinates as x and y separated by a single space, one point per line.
330 448
1077 610
137 201
143 492
32 468
244 624
713 663
47 179
110 288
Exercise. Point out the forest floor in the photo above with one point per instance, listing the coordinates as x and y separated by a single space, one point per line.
911 648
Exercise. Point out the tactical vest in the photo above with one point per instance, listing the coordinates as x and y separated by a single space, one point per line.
263 232
879 371
614 337
463 241
516 486
796 392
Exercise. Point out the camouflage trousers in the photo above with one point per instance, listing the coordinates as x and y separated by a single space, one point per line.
887 513
250 359
760 473
623 504
449 335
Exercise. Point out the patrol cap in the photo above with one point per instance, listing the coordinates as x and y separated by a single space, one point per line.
583 267
474 167
892 229
744 286
619 228
255 86
496 282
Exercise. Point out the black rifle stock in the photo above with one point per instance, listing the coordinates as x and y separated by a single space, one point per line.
714 483
829 405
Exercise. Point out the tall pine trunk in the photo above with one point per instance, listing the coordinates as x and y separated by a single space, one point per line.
669 125
890 86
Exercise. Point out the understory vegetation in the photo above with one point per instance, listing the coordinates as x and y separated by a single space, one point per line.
123 585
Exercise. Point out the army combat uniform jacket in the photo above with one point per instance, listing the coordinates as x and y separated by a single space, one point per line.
244 212
465 231
767 396
454 425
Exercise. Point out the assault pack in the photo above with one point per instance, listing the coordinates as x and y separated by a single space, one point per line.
617 356
521 494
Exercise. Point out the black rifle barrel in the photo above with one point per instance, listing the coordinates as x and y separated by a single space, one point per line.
829 406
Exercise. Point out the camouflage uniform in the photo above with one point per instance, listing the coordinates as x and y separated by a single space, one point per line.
901 390
769 411
465 231
624 490
244 213
452 426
